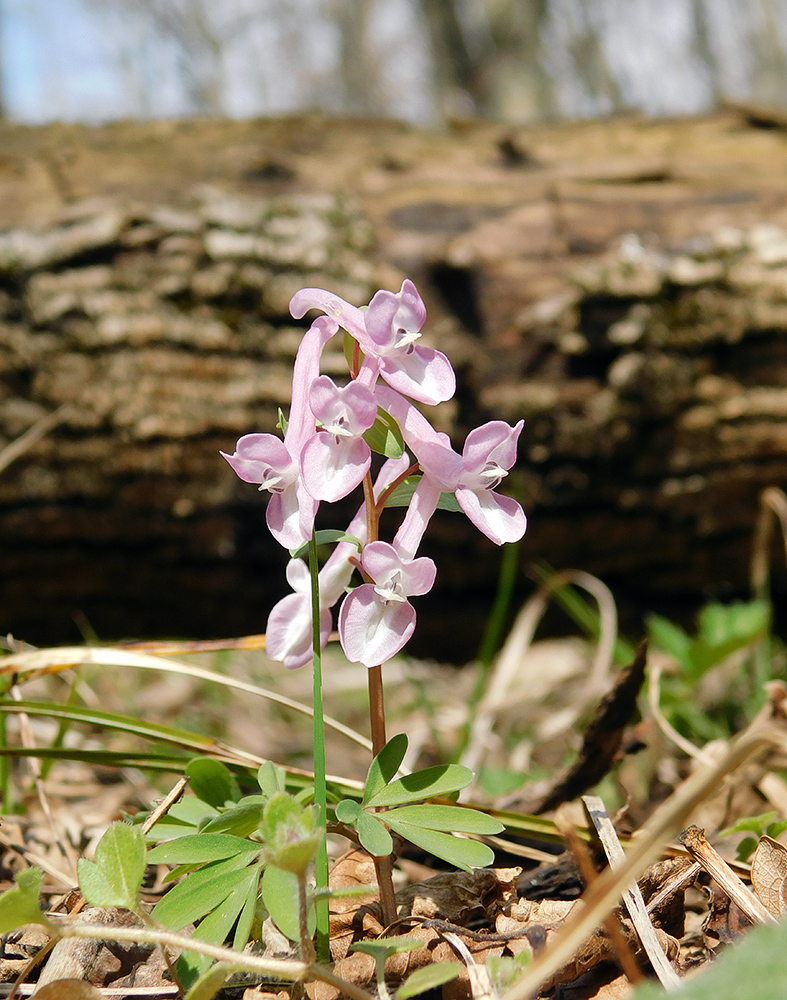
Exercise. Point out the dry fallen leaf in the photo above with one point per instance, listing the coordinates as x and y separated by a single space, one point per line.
769 875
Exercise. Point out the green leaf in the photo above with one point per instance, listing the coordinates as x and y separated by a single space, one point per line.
210 982
438 817
384 436
465 854
201 892
281 423
383 947
373 835
348 811
384 766
403 494
212 782
201 847
428 783
669 637
749 824
20 906
115 877
241 820
327 536
280 896
270 778
427 978
216 926
288 830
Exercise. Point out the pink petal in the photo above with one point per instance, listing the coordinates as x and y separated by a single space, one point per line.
372 631
256 456
388 313
332 467
288 636
500 518
349 317
494 441
421 373
283 517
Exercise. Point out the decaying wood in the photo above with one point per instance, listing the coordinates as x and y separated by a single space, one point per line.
622 286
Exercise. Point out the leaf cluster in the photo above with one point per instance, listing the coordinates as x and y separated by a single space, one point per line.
395 804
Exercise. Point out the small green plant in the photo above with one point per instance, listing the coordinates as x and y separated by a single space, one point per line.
426 825
757 826
722 629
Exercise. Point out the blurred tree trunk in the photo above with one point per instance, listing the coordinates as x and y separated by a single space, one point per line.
614 283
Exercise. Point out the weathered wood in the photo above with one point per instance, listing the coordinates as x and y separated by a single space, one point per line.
621 284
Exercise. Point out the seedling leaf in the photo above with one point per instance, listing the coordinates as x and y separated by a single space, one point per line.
115 877
427 978
19 905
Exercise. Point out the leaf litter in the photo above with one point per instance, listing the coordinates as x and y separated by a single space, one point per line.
481 918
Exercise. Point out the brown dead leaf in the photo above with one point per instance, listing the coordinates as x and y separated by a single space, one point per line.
769 875
350 919
603 737
360 969
457 897
725 921
68 989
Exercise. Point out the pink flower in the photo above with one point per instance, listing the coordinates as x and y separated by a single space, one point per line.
376 619
388 331
288 636
275 464
488 454
336 458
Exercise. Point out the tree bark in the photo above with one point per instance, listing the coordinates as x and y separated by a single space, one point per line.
622 285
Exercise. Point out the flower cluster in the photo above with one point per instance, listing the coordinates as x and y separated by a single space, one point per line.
324 456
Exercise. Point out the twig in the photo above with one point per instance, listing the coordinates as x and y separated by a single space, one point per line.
695 842
632 896
587 870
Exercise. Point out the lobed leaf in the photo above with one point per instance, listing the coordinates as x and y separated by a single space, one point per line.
19 905
115 877
202 891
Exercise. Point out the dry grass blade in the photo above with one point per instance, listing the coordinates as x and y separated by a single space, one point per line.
670 817
45 661
518 642
632 896
654 701
32 435
773 509
695 842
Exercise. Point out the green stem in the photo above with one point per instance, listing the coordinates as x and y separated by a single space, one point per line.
321 861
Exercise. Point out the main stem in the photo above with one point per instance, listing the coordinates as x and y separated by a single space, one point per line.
383 866
321 860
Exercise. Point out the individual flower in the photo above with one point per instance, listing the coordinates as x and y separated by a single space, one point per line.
388 331
275 464
376 619
488 454
336 458
288 636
